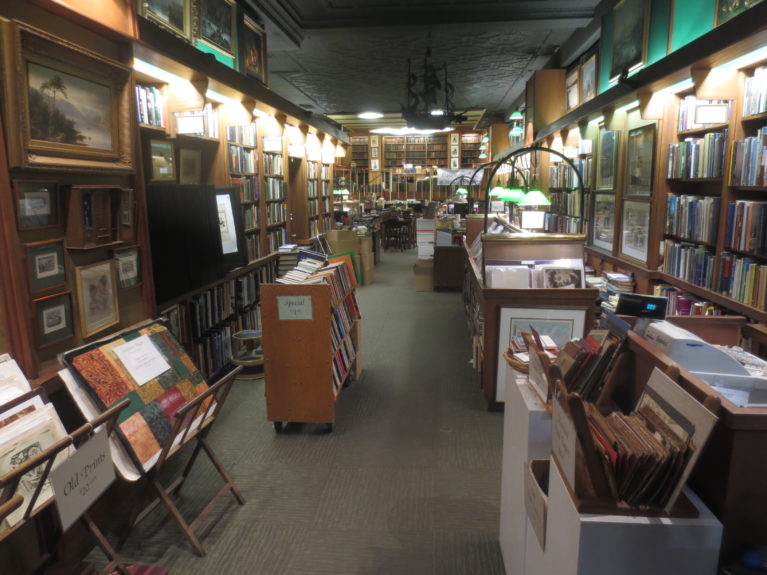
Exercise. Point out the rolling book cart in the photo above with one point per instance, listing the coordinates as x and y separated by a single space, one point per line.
311 345
42 464
171 410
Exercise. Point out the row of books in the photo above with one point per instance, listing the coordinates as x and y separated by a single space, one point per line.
311 188
213 351
748 157
755 94
343 360
273 164
314 227
743 279
244 135
684 303
557 223
276 213
562 176
566 204
26 431
585 363
275 238
252 247
312 170
276 188
693 217
697 157
251 217
695 113
313 207
151 106
746 223
689 262
248 186
242 160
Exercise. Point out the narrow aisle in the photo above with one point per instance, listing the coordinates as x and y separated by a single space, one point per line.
408 482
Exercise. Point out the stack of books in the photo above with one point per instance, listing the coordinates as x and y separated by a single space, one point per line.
615 284
307 263
584 364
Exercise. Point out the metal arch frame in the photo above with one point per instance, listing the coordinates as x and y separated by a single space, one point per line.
513 155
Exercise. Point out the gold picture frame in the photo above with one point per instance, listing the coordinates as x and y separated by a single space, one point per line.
216 25
65 107
173 15
97 306
628 48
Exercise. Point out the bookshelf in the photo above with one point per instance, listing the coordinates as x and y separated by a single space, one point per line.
311 346
242 162
470 149
360 153
275 193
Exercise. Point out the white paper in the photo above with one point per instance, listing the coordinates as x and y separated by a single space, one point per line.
294 307
78 481
142 359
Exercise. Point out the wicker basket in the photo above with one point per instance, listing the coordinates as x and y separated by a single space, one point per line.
519 366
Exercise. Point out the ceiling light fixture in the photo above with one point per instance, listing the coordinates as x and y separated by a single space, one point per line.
424 93
406 131
516 116
370 115
627 107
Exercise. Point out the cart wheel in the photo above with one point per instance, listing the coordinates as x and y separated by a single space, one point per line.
278 426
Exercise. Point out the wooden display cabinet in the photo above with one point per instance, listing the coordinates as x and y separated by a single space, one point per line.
92 216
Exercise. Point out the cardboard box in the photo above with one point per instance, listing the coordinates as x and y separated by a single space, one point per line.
367 258
368 274
365 244
424 275
341 235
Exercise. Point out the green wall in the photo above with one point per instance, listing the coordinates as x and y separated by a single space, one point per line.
660 21
692 19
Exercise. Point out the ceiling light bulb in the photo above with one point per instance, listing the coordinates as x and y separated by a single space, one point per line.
437 112
370 115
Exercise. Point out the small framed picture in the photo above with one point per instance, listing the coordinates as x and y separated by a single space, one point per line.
374 141
589 79
572 90
636 229
128 270
163 161
607 158
640 155
454 164
374 152
252 56
603 227
454 139
96 297
375 165
45 265
37 203
53 319
454 151
126 208
189 166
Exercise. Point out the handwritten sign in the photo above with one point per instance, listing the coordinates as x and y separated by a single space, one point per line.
294 307
142 359
79 480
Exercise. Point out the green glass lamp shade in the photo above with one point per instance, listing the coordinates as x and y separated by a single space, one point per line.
514 195
341 192
516 131
535 198
482 155
498 192
462 192
516 115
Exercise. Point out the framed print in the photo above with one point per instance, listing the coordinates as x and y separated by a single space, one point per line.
53 319
217 24
96 297
561 277
37 203
627 53
374 152
252 54
375 165
561 324
589 79
603 227
45 265
163 161
189 166
128 270
173 15
727 9
640 158
636 229
454 140
66 107
607 158
454 164
712 113
374 140
572 90
454 151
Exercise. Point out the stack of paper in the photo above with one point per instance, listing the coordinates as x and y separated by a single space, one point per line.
425 229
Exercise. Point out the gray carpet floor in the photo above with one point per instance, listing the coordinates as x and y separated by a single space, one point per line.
408 482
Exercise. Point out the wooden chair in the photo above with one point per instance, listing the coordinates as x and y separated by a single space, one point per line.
394 234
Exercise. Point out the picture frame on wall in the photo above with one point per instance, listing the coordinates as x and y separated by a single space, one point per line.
217 25
628 37
635 225
454 139
128 269
588 82
96 297
375 165
603 225
173 15
53 92
572 89
189 166
374 152
53 319
374 141
163 161
252 49
37 204
728 9
46 268
454 151
640 160
454 163
607 158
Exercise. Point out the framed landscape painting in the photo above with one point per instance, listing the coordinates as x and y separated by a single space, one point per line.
173 15
727 9
217 24
66 107
629 17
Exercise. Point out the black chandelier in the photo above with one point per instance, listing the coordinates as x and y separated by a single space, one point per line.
424 110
